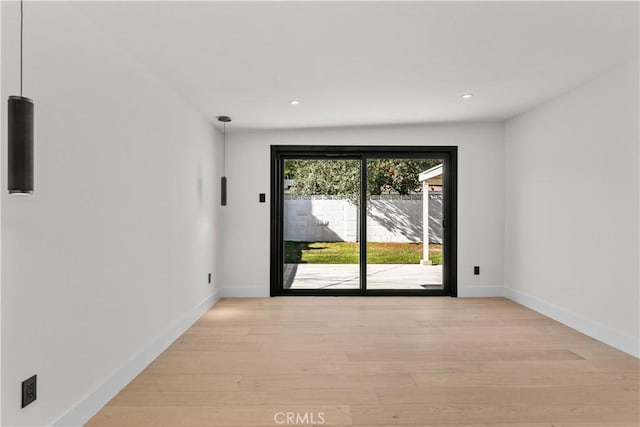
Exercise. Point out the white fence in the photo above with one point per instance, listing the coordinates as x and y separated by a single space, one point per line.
390 218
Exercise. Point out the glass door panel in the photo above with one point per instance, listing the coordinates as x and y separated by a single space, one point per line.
404 233
321 224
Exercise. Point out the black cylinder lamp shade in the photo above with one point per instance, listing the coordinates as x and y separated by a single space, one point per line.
223 191
20 145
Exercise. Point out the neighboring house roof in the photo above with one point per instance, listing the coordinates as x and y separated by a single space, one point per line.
434 172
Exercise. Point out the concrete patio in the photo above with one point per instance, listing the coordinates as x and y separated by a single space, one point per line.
347 276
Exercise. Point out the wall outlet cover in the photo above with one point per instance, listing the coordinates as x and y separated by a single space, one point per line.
29 390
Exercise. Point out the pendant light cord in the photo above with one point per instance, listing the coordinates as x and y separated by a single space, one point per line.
21 26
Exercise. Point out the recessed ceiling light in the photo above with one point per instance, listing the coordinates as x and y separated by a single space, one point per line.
294 102
467 96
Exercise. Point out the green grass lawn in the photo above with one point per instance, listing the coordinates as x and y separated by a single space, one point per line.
349 252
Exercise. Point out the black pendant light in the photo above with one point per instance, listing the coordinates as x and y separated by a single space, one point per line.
20 137
223 180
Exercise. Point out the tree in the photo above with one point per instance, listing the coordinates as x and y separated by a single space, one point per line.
335 178
342 177
392 176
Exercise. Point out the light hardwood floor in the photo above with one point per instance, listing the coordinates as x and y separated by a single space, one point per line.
380 361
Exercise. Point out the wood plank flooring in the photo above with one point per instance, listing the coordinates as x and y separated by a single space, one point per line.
380 362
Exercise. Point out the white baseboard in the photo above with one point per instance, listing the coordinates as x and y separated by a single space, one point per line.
607 335
245 292
480 291
94 400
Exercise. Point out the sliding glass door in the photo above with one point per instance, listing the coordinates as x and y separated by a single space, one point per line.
363 220
320 224
404 224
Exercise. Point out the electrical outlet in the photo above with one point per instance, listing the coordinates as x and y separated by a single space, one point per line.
476 270
209 278
29 390
262 198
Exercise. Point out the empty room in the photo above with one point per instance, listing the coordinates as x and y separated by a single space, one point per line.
268 213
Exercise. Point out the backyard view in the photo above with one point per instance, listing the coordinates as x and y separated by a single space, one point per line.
322 224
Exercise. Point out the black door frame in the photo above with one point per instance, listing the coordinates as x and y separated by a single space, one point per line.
449 155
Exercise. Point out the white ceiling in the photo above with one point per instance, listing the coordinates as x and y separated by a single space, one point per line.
363 63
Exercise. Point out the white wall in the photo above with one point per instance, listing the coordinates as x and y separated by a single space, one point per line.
110 256
480 197
572 208
2 172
